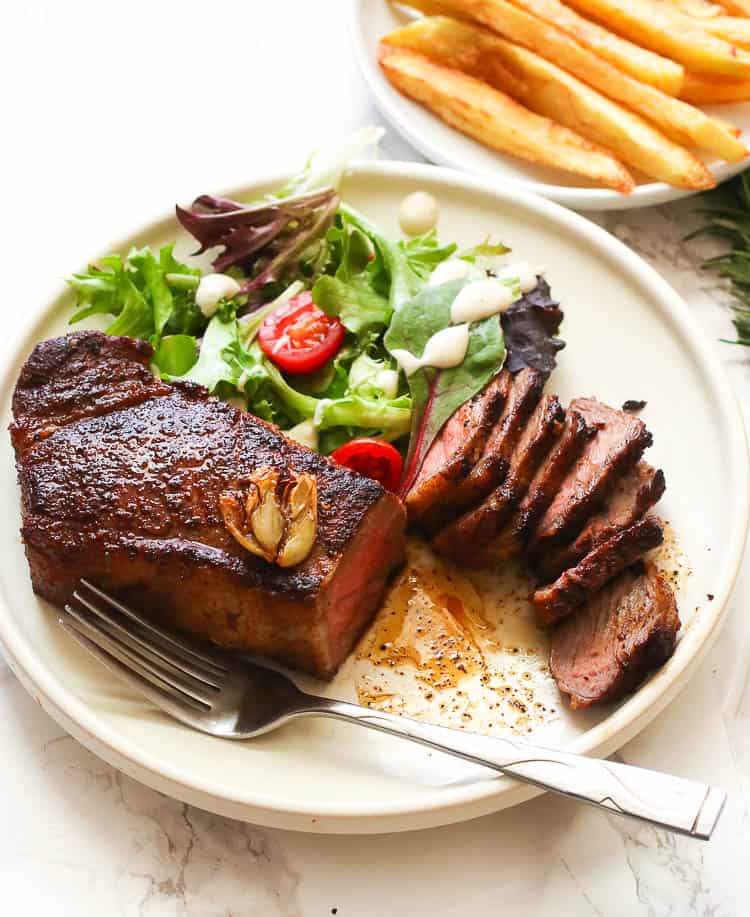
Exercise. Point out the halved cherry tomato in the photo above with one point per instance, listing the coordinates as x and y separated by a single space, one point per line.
372 458
299 337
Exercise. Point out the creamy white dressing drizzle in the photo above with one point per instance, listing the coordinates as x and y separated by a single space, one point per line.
444 350
452 269
525 273
481 299
476 301
418 213
212 289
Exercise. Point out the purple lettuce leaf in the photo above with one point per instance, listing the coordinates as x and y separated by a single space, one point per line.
264 240
530 327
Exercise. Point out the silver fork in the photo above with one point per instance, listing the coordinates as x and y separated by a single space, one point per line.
233 697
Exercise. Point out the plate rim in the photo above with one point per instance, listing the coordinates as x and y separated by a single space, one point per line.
592 199
441 805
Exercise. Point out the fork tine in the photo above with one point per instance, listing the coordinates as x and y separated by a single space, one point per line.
152 651
110 644
158 696
203 656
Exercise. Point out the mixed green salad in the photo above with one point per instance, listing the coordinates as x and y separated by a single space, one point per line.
310 303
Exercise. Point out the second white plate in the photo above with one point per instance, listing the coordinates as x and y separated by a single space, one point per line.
371 19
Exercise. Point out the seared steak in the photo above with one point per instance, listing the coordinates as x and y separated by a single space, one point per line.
524 392
634 494
456 449
617 446
573 587
547 481
467 535
120 479
623 633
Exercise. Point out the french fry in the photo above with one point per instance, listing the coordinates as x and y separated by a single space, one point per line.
670 32
675 118
550 91
736 7
496 120
699 9
699 89
730 28
638 62
712 18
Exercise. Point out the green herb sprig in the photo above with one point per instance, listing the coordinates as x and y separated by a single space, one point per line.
728 217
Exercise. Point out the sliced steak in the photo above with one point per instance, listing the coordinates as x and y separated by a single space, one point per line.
494 461
468 534
459 445
547 481
622 634
635 493
579 583
120 480
617 446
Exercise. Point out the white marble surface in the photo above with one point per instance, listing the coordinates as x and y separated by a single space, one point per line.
100 108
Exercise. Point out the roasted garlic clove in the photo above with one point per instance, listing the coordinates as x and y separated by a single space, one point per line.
263 511
273 520
233 508
301 517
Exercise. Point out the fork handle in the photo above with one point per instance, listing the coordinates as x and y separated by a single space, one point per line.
684 806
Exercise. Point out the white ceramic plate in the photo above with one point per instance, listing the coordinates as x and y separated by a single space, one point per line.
371 19
629 336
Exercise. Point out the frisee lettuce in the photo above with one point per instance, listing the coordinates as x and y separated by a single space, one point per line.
147 295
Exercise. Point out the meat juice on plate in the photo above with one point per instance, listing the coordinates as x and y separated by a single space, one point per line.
458 647
462 648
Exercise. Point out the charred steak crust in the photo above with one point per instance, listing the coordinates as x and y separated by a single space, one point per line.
619 443
576 433
76 376
472 531
456 449
622 634
574 586
127 494
635 493
490 469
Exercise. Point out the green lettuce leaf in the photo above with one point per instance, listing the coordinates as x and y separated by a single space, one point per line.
486 249
176 354
326 166
147 296
213 364
437 394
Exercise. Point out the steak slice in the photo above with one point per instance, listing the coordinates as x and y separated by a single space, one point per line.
576 585
624 632
467 535
456 449
640 489
492 465
617 446
120 480
547 481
